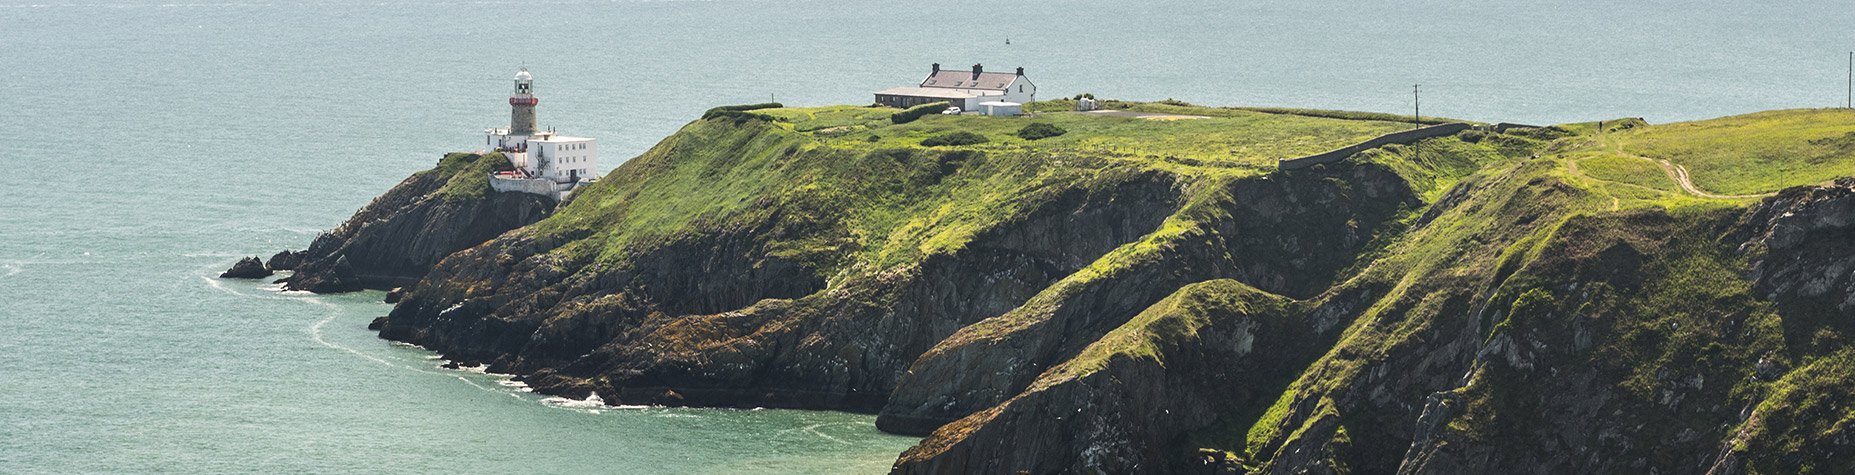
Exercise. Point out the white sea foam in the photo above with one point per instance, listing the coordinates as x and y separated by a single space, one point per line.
503 383
813 430
592 401
434 356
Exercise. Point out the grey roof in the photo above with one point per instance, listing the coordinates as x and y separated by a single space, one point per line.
932 92
963 79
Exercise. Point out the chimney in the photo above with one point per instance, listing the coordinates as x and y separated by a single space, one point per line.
936 68
977 69
1020 70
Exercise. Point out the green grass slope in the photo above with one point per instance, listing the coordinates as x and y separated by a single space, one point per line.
897 200
1753 153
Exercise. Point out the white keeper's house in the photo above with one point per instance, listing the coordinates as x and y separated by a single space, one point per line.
545 163
963 89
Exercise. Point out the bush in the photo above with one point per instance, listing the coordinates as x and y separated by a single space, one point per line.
1550 132
739 116
1040 131
718 111
916 112
954 138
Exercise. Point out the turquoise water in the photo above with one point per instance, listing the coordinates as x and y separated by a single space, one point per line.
150 143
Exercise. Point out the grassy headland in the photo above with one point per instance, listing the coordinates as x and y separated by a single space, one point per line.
1440 302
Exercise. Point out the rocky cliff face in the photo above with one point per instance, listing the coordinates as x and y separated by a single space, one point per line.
1283 233
1124 403
397 238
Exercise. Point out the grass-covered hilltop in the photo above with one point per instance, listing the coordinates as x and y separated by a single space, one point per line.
1144 290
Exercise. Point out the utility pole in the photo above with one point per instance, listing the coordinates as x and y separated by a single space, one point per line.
1416 108
1851 104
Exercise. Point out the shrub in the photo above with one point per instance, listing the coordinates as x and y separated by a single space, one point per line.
1040 131
916 112
1550 132
712 113
954 138
738 116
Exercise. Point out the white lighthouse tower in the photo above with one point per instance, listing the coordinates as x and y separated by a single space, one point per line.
545 163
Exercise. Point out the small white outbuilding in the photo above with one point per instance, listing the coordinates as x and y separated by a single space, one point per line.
1001 108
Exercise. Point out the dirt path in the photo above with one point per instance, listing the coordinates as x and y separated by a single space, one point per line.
1679 174
1615 203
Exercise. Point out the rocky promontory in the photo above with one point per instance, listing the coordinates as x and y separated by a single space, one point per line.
247 268
1142 296
397 238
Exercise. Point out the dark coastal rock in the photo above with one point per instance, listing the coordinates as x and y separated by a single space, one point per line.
1122 409
285 260
376 323
247 268
397 238
332 275
393 296
1803 247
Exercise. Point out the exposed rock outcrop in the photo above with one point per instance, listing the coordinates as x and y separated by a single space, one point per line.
247 268
1126 402
286 260
397 238
1802 247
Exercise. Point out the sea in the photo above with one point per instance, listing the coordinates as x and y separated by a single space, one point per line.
148 144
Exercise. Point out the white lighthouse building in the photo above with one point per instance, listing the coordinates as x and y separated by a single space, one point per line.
545 163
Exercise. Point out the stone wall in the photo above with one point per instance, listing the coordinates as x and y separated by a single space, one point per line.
542 187
1405 137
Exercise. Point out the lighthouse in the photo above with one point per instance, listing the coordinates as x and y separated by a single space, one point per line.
545 163
522 104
